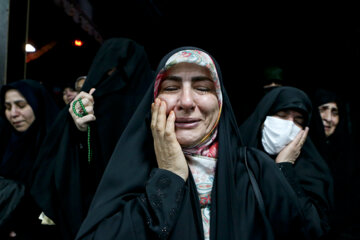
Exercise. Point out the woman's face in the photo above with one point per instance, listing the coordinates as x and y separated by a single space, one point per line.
17 111
79 84
68 95
291 115
330 117
188 90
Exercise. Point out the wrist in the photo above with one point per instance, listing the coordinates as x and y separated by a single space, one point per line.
183 173
284 160
81 128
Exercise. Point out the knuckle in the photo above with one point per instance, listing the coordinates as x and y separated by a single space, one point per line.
158 128
80 121
168 134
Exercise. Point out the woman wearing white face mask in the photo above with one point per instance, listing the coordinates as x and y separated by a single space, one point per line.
278 126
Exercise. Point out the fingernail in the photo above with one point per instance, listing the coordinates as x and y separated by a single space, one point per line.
173 114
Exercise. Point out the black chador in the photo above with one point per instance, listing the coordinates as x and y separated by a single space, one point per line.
66 177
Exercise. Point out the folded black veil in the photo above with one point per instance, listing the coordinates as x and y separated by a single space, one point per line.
137 200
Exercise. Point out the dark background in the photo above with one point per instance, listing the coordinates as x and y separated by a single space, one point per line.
316 44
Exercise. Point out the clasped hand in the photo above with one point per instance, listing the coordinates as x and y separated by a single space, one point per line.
88 102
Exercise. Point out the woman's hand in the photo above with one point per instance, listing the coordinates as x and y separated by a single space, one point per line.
292 151
88 102
168 151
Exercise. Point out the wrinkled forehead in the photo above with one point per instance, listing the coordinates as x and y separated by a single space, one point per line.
190 56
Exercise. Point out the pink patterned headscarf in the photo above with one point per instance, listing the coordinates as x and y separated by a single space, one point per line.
208 145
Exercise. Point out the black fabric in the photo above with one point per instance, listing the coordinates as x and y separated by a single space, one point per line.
340 153
254 184
136 200
311 178
11 194
65 182
18 151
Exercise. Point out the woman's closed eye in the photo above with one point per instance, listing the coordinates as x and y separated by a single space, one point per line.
169 89
300 121
21 104
203 89
282 115
204 86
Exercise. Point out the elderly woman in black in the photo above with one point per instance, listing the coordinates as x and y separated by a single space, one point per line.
276 126
179 171
28 111
332 138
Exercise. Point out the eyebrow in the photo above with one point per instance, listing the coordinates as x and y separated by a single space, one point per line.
193 79
331 108
16 101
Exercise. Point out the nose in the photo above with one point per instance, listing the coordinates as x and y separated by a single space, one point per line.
14 112
186 100
327 116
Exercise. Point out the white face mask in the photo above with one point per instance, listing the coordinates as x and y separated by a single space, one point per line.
277 133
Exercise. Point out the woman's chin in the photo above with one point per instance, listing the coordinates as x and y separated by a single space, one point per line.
186 142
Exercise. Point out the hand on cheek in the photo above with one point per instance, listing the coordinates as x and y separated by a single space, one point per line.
168 151
292 151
